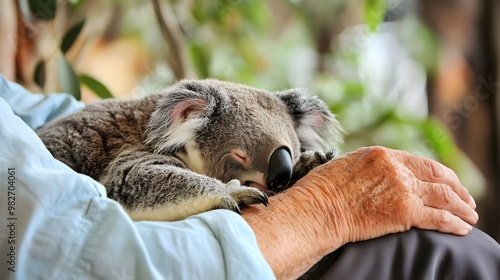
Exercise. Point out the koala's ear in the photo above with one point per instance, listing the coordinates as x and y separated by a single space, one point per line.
316 127
187 107
178 115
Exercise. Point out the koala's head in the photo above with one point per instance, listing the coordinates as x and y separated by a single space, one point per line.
230 131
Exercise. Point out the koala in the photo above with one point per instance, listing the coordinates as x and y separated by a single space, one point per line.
195 146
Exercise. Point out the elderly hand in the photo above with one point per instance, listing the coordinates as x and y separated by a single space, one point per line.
375 191
362 195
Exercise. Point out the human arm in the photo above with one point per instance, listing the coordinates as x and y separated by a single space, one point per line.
66 228
362 195
37 109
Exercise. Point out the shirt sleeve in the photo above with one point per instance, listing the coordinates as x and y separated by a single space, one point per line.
58 224
37 109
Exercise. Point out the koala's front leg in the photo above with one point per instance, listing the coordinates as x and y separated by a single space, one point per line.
158 187
307 161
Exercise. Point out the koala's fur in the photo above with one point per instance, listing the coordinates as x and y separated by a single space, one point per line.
190 147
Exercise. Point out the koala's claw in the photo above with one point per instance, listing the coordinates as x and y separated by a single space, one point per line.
249 195
262 198
265 199
229 203
309 160
330 155
239 194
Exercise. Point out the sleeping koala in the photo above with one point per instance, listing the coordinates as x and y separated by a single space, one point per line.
195 146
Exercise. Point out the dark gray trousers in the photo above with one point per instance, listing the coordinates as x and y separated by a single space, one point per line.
415 254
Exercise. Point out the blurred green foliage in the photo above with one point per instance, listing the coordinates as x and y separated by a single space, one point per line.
69 81
277 45
319 45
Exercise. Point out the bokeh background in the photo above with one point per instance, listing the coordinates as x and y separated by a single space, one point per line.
418 75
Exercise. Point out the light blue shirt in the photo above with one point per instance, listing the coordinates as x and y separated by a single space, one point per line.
58 224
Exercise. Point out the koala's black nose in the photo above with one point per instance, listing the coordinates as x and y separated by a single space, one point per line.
280 169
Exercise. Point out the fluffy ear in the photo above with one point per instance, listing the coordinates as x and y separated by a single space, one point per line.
316 127
178 115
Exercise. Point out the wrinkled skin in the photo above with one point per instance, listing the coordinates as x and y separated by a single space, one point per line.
391 191
362 195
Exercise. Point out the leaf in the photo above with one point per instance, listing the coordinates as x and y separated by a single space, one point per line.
255 12
76 3
200 59
354 88
71 35
374 11
198 11
39 74
426 49
67 78
440 140
43 9
100 90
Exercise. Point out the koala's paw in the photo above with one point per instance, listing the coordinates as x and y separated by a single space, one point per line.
308 161
237 194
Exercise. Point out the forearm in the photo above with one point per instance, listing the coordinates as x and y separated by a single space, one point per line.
297 229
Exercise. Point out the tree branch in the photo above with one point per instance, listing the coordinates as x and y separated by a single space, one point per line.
173 37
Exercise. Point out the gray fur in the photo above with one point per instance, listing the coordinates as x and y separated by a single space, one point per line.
170 152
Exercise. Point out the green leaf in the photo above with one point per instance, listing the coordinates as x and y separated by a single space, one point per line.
43 9
426 49
76 3
198 11
67 78
100 90
255 12
200 59
374 11
440 140
39 75
71 35
354 88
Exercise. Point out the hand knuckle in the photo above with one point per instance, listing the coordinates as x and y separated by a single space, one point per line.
435 171
406 154
377 152
448 194
442 218
442 193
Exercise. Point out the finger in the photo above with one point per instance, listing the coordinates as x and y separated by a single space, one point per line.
432 171
441 220
441 196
